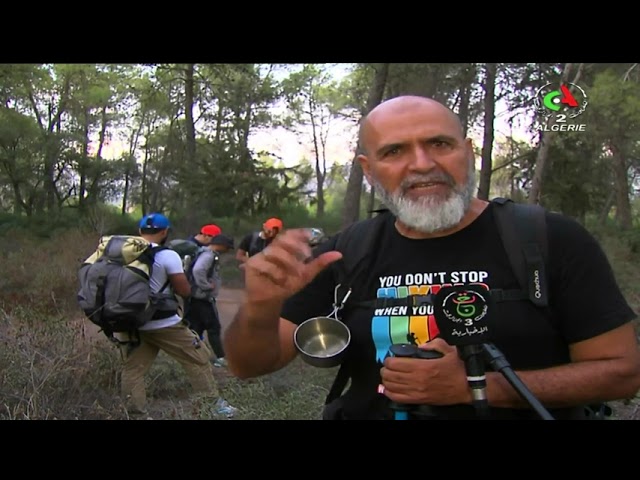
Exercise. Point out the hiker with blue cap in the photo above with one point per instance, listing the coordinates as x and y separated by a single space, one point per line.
166 331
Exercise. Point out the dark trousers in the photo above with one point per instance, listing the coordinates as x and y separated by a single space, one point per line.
214 333
202 315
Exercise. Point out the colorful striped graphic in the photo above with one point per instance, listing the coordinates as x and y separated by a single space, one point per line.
404 324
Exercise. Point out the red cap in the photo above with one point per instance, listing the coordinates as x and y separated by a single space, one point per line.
211 230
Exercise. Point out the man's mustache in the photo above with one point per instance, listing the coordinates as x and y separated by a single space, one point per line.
439 177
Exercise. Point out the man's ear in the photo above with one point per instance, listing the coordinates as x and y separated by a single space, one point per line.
366 168
469 146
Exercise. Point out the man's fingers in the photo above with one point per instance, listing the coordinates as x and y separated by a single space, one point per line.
316 265
292 252
294 242
437 344
398 397
271 271
288 261
280 258
393 377
293 266
402 365
396 387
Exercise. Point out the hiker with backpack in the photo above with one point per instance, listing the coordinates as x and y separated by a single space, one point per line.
164 329
254 242
567 331
205 280
207 232
188 249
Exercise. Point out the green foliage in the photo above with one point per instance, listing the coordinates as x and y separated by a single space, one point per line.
614 106
512 169
577 179
101 219
50 111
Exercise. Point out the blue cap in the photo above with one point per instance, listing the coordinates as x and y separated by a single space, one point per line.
154 220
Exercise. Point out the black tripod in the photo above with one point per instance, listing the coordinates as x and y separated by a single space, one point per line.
500 364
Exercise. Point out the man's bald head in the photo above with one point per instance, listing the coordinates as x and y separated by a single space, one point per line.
415 156
402 105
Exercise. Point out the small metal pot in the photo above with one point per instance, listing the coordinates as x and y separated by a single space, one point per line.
322 341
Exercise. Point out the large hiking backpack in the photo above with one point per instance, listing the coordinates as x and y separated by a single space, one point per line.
522 228
187 250
115 293
192 264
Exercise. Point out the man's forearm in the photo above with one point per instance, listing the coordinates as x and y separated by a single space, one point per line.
252 341
568 385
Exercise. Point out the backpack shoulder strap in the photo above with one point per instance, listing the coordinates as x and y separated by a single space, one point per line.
215 258
254 243
150 255
523 231
357 242
192 264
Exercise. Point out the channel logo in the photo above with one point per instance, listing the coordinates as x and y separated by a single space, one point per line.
567 102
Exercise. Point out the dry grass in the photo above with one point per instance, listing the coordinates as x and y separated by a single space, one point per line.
53 365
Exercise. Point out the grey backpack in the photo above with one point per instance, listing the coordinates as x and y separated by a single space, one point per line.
115 293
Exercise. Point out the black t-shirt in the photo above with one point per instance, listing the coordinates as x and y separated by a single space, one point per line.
585 301
251 246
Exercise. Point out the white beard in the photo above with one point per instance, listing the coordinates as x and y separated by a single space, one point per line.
430 213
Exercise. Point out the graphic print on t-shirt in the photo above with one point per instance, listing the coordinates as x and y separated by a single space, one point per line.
414 324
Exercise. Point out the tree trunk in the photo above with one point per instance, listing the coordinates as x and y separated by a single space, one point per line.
144 201
188 112
320 167
621 180
465 97
93 192
19 204
51 155
487 142
125 193
84 161
604 213
131 166
351 212
52 149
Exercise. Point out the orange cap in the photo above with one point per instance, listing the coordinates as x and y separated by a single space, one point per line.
273 223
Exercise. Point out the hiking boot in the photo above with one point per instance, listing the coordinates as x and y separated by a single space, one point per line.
220 362
223 408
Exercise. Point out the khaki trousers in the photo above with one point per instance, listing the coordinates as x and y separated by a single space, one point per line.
179 342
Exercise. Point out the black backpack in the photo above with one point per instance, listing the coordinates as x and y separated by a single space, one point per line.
522 228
